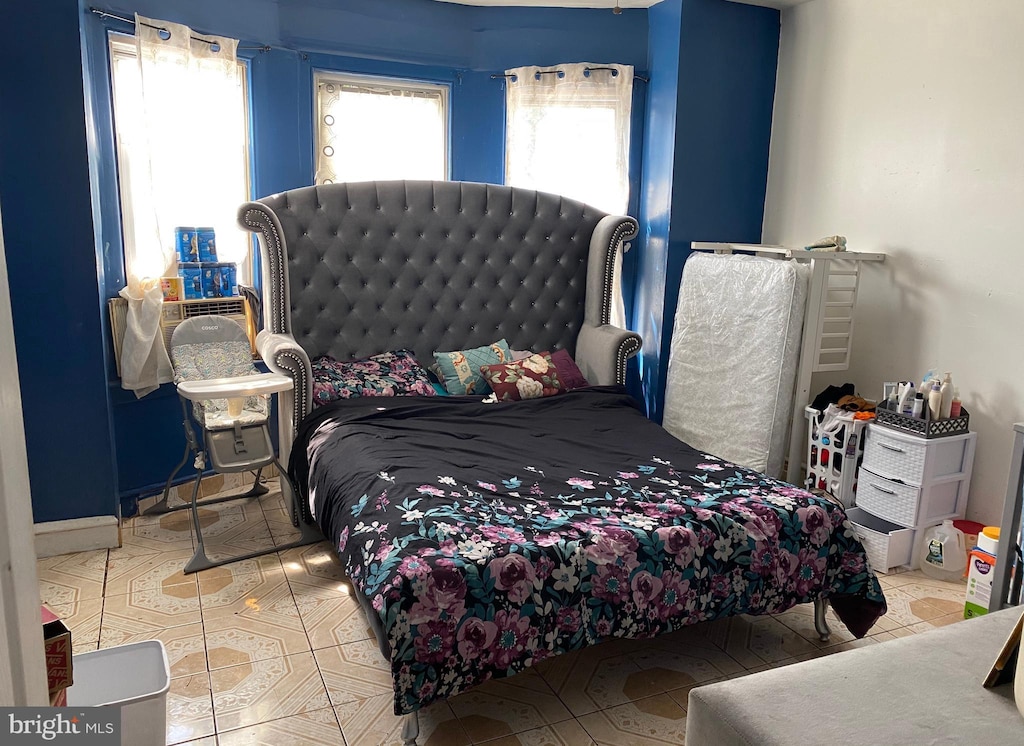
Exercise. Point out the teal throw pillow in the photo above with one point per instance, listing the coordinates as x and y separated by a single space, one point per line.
461 369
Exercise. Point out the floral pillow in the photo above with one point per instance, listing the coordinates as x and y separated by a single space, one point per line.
568 372
532 378
460 370
394 373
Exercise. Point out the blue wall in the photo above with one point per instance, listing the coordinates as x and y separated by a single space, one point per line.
706 122
724 77
51 261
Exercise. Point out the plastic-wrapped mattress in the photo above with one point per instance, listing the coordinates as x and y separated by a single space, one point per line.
733 361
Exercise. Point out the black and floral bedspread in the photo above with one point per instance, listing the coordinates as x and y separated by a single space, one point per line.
484 538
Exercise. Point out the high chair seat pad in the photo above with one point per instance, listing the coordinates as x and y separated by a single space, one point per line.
221 419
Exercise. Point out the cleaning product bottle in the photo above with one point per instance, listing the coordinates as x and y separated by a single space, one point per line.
935 400
944 552
947 396
956 406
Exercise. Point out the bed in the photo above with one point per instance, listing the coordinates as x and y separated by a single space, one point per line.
484 537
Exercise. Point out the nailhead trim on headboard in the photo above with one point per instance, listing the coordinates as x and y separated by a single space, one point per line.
622 231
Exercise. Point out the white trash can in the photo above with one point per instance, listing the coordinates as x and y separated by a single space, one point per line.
134 678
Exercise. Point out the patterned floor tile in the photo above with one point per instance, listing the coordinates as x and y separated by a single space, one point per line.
655 720
186 653
82 618
149 610
372 722
674 643
244 583
314 565
565 733
504 707
330 617
905 609
130 572
269 689
939 621
356 670
315 728
67 578
159 533
662 670
189 709
597 677
754 641
251 635
946 597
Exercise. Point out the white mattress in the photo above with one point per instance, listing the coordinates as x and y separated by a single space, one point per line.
734 355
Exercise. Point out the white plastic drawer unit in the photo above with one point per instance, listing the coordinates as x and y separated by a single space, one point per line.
887 545
909 505
913 460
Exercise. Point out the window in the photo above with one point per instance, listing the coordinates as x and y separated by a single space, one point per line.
567 132
182 155
376 128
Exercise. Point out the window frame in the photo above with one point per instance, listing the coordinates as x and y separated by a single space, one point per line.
121 45
383 81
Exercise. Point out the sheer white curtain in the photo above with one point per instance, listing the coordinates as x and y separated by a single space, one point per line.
176 151
567 132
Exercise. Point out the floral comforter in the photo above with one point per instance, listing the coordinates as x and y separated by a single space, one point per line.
483 538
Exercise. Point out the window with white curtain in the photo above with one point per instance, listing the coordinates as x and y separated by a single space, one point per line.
379 128
182 154
567 132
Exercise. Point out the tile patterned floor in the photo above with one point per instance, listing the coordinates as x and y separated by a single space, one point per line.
275 650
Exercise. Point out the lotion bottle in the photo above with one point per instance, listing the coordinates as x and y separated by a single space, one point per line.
935 400
906 402
947 396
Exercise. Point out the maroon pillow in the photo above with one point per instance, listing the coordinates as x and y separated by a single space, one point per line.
531 378
568 372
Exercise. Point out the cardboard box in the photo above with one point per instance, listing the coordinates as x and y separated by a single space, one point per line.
57 648
979 583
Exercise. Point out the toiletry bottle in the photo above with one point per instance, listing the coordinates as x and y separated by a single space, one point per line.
956 406
892 403
935 400
907 399
947 396
918 410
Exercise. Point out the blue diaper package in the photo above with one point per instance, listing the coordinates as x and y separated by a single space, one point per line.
186 244
229 270
191 274
207 241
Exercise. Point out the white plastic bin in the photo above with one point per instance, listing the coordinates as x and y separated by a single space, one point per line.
833 459
134 678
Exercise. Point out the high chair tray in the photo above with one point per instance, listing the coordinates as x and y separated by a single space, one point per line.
225 388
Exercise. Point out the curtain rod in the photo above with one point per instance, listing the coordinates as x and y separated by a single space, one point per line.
497 76
106 14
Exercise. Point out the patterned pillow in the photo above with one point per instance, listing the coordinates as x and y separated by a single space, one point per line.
568 372
388 374
532 378
460 370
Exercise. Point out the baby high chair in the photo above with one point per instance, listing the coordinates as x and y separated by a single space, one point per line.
213 369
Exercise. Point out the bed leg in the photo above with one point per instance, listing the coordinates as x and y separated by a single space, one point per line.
411 729
820 623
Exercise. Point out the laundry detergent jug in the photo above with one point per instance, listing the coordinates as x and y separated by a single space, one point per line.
944 552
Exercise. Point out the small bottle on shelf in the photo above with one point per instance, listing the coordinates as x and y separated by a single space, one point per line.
956 406
918 410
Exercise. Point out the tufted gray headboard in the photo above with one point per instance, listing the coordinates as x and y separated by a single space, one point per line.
350 270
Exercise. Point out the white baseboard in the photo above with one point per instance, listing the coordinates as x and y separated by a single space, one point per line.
76 535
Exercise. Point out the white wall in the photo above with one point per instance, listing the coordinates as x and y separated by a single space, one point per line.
900 124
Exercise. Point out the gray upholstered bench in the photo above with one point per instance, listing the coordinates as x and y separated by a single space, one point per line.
924 689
